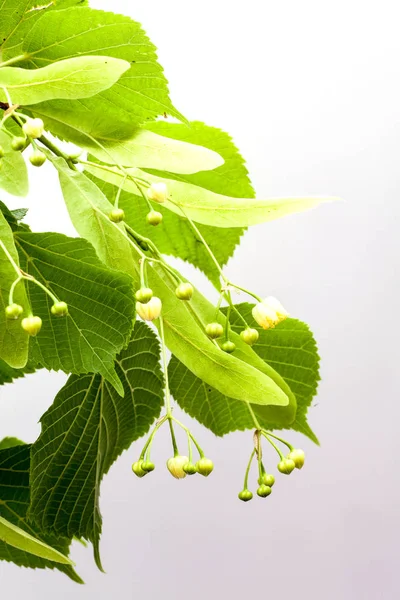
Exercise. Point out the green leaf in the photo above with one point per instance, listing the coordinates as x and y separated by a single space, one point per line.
84 431
13 171
8 374
10 442
184 326
204 206
14 503
289 348
73 78
141 93
13 339
100 301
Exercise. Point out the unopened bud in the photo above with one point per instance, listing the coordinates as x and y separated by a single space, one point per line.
214 330
266 479
33 128
249 336
175 466
13 311
32 325
286 466
137 469
205 466
59 309
149 311
298 457
245 495
184 291
117 215
228 347
148 466
190 468
37 158
18 143
154 218
158 192
144 295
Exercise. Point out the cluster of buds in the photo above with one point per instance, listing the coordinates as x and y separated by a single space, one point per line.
178 465
287 464
33 129
269 312
33 324
157 192
149 307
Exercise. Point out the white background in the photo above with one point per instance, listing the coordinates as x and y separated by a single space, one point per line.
309 90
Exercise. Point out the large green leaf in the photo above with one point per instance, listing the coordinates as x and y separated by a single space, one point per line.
209 208
83 433
18 17
13 171
13 339
100 301
73 78
175 237
289 348
141 93
14 503
185 322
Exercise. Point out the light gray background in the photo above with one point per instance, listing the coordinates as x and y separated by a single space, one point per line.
309 90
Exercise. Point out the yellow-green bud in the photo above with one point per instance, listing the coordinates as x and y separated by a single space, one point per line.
249 336
144 295
59 309
298 457
18 143
148 466
205 466
214 330
33 128
32 325
228 347
154 217
245 495
158 192
149 311
184 291
266 479
190 468
37 158
117 215
175 466
286 466
137 469
263 491
13 311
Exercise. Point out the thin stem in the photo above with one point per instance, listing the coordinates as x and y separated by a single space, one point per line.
14 60
229 297
282 441
142 272
255 421
272 444
43 287
173 438
199 449
12 288
153 433
165 368
218 305
10 258
242 289
246 476
49 144
119 192
228 314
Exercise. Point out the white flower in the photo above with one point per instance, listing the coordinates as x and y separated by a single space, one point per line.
33 128
149 311
265 316
157 192
277 307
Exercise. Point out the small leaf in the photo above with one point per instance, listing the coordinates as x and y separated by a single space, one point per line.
100 301
13 339
79 77
10 442
8 374
204 206
13 171
14 503
84 431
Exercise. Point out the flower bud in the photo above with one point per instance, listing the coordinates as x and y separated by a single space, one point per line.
190 468
228 347
37 158
245 495
2 153
264 315
149 311
137 469
157 192
148 466
266 479
13 311
59 309
286 466
33 128
264 491
18 143
117 215
249 336
32 325
205 466
144 295
297 456
277 307
175 466
184 291
154 217
214 330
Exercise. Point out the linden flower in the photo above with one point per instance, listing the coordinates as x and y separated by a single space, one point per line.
151 310
157 192
269 312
